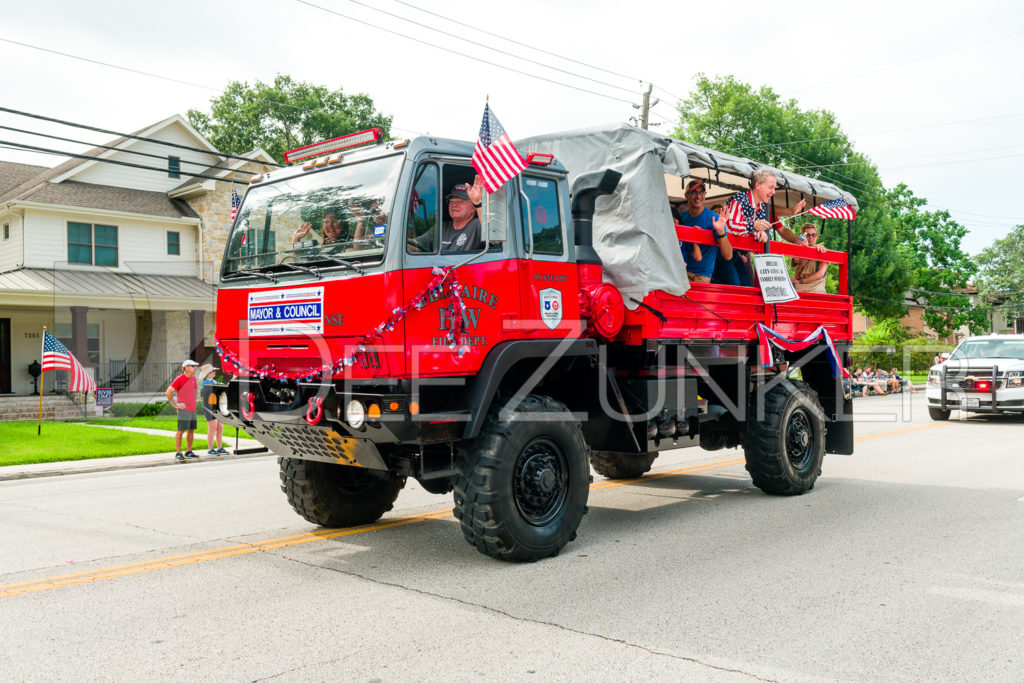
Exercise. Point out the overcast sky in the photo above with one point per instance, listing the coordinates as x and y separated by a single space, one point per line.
931 92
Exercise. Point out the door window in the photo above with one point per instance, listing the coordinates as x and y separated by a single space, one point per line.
542 217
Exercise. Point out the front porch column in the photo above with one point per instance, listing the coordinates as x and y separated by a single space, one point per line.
80 334
197 334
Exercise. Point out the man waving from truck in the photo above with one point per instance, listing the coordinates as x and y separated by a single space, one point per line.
462 232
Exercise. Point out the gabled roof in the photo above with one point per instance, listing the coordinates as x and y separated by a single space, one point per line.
12 175
257 156
108 197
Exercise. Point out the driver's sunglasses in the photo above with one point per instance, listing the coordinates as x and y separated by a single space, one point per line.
811 234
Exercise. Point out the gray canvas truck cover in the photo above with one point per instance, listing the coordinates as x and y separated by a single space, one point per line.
634 233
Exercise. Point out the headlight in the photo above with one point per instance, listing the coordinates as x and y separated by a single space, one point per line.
1015 378
934 378
222 404
355 414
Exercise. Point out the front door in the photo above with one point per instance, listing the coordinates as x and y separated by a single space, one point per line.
5 355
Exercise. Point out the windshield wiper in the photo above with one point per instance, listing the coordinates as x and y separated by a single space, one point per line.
342 262
249 273
312 271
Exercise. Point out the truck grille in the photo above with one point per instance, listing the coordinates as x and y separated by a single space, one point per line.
967 380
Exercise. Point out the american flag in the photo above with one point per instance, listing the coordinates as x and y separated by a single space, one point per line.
740 215
235 203
837 208
495 158
57 357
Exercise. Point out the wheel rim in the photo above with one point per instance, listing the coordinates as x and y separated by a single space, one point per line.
800 439
540 486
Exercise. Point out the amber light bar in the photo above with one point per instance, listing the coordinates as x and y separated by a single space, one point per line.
333 145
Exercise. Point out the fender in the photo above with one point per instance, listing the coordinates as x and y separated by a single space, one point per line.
481 388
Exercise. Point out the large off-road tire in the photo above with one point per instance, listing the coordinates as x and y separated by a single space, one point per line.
616 465
938 414
336 495
784 451
521 486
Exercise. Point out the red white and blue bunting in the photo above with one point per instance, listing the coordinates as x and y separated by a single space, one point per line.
444 285
766 337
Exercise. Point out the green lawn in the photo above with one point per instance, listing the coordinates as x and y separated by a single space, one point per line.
62 441
167 422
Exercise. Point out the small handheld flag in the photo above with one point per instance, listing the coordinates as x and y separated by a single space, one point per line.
837 208
495 158
235 203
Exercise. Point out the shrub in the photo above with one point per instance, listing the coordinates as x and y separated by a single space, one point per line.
141 409
890 340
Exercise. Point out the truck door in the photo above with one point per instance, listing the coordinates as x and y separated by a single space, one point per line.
548 282
487 274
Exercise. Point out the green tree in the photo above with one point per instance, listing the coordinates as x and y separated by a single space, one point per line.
728 115
941 269
283 115
1001 272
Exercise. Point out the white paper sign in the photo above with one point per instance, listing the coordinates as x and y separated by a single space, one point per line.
772 274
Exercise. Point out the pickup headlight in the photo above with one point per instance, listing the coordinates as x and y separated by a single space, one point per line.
934 378
1015 378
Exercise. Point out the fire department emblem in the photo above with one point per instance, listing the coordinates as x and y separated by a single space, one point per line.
551 307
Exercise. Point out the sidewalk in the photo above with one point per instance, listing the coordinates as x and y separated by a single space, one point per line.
127 462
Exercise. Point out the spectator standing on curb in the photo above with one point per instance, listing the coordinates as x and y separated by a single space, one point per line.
182 393
214 427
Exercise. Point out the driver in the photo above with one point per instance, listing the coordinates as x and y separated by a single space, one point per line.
462 232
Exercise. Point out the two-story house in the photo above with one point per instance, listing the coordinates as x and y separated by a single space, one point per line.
118 262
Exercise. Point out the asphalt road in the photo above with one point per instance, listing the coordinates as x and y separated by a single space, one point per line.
905 562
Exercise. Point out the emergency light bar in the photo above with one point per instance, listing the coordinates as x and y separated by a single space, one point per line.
539 158
333 145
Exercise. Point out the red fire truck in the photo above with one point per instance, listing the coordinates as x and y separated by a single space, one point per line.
363 353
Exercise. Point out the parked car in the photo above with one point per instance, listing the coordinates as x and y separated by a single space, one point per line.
983 375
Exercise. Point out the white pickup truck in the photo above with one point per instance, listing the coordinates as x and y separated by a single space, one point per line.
983 375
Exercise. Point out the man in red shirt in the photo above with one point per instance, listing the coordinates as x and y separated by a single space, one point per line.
182 393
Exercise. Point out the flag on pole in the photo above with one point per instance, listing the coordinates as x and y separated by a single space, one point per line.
837 208
57 357
235 203
495 158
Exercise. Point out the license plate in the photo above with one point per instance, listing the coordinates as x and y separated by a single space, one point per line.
970 402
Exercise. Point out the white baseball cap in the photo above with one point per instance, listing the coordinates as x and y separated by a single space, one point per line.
187 362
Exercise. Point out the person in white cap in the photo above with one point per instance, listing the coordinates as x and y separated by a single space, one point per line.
182 393
214 427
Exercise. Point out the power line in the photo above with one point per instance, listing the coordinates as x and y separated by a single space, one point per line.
489 47
510 40
461 54
128 135
45 150
118 149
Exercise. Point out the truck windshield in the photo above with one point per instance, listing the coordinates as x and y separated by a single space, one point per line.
990 348
330 217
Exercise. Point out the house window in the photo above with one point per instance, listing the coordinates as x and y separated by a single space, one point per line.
7 231
92 244
92 340
173 167
173 243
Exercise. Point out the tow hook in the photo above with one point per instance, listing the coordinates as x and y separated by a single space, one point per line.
311 417
247 398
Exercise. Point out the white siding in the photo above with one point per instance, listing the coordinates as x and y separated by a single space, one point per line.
11 249
141 245
101 173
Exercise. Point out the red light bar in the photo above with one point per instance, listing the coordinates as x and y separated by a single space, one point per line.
539 158
333 145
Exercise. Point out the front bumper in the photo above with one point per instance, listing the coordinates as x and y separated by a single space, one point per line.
1002 400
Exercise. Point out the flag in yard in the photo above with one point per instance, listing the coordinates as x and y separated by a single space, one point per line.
495 158
837 208
235 203
57 357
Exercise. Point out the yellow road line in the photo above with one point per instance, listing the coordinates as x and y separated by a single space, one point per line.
50 583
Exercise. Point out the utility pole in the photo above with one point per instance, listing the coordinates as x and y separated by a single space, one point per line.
645 108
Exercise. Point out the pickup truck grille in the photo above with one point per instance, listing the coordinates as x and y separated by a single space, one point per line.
968 379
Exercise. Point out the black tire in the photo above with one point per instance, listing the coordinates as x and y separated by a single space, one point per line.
521 487
616 465
784 451
938 414
336 495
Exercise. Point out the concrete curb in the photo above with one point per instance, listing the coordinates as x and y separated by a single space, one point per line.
127 462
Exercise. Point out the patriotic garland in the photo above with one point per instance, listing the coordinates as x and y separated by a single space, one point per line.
767 336
444 285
